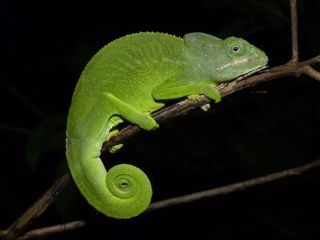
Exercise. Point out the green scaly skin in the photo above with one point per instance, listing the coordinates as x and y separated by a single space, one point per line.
126 80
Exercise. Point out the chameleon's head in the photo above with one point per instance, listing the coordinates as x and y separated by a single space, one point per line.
238 57
223 60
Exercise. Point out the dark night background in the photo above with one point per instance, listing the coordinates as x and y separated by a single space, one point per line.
271 127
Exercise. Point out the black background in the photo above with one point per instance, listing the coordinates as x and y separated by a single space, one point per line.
273 126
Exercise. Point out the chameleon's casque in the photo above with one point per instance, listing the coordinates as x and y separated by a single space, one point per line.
126 80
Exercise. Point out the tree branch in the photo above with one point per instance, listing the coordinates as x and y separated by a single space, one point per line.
37 208
56 229
294 31
311 72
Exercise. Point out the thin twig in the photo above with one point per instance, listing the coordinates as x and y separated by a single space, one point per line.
312 61
15 129
56 229
23 99
294 31
235 187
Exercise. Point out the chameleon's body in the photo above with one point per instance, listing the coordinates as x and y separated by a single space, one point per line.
125 81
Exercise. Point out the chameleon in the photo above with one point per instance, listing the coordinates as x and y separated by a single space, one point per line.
127 80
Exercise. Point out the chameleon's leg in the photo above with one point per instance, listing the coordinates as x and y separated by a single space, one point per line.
128 112
111 134
114 148
172 89
196 98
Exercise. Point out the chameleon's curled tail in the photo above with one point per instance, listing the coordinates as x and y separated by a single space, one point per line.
131 190
124 191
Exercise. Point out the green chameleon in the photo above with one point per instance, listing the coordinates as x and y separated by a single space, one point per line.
127 80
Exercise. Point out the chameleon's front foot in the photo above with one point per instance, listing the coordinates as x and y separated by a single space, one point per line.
211 91
147 122
194 97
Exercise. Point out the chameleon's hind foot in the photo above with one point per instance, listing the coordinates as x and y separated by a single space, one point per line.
117 147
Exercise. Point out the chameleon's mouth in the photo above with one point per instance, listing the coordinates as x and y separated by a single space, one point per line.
252 72
258 63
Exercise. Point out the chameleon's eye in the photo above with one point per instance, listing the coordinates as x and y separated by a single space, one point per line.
236 49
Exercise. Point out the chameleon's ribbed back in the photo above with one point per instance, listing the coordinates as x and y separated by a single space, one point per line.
129 68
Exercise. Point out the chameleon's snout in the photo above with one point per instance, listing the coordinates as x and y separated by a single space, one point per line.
262 58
